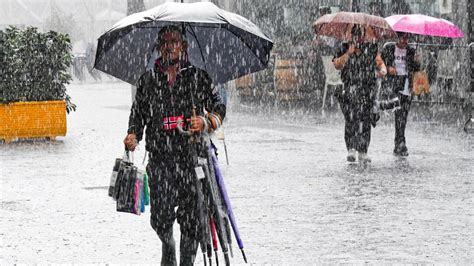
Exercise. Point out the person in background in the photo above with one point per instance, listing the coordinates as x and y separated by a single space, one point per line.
401 61
360 64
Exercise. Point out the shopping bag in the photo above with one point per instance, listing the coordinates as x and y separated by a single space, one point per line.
117 173
129 186
143 193
127 190
138 196
113 177
420 83
146 191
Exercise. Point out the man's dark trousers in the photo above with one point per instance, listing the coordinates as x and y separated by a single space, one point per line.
172 183
356 109
401 116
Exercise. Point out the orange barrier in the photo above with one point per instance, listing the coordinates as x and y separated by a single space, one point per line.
32 120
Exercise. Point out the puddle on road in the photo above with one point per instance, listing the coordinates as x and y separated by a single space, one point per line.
96 188
119 107
285 140
11 205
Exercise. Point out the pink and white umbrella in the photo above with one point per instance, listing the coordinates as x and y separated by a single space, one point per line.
338 25
424 25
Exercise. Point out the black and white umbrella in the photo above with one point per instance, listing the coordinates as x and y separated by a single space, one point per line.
222 43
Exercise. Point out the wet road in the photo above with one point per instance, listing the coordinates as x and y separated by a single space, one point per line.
296 199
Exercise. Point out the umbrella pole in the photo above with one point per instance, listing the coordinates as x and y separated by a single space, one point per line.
199 45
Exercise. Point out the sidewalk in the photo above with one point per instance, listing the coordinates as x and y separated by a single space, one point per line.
296 200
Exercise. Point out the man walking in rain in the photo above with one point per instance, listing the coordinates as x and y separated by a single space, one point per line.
401 63
358 61
166 96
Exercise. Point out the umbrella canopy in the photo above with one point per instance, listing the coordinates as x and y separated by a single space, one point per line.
224 44
424 25
339 25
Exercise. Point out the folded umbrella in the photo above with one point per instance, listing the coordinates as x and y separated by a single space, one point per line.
226 201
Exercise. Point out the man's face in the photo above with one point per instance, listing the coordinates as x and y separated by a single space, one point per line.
403 41
357 36
171 46
357 39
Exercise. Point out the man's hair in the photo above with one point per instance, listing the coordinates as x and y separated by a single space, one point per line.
167 29
402 34
357 30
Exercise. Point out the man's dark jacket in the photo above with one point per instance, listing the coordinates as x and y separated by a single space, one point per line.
397 83
156 100
360 68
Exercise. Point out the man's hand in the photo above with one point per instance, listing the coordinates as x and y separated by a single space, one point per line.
130 142
381 73
392 71
341 61
197 124
381 68
351 49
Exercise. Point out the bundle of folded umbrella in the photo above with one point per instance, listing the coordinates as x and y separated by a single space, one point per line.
129 186
217 219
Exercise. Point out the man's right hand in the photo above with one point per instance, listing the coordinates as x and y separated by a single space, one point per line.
351 49
130 142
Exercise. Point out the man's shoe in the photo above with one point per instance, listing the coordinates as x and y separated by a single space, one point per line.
364 158
401 151
351 155
374 118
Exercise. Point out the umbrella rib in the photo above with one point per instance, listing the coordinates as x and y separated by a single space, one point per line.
199 45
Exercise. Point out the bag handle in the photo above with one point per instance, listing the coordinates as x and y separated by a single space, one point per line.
128 156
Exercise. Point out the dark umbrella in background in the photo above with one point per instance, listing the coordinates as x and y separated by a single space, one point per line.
224 44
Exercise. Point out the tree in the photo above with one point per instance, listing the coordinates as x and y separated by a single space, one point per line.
35 66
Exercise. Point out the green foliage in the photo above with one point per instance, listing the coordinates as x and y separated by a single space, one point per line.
34 66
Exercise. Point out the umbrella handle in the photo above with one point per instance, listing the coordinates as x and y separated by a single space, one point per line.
179 126
179 122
